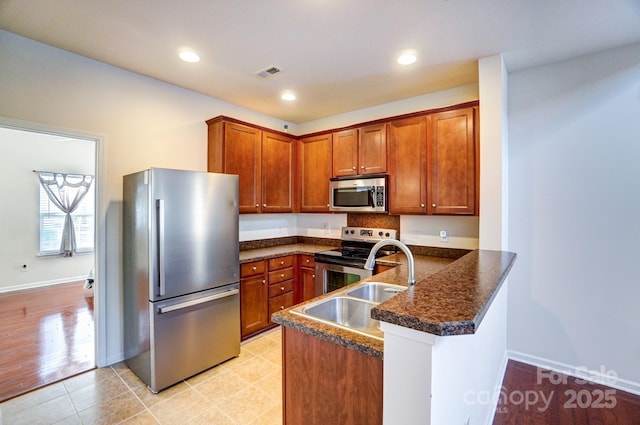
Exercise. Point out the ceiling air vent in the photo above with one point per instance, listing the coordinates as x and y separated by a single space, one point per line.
269 71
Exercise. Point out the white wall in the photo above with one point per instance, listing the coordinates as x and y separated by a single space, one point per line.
574 296
22 152
144 123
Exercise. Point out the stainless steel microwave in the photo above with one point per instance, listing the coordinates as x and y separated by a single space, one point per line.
362 194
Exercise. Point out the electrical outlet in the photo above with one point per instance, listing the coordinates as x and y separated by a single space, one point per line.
444 236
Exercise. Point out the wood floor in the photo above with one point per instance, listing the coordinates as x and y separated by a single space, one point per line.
46 334
532 396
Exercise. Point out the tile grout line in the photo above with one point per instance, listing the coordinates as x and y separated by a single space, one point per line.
137 398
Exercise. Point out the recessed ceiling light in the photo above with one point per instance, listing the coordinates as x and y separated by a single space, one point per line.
288 96
189 56
406 59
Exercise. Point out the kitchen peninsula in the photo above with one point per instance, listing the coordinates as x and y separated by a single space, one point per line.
432 336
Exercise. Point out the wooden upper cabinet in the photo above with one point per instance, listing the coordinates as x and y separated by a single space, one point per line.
314 172
263 160
372 149
407 166
278 154
235 149
360 151
452 154
345 153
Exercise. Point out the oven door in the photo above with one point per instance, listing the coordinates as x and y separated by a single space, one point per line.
330 277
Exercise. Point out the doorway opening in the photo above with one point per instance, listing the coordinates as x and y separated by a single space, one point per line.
49 298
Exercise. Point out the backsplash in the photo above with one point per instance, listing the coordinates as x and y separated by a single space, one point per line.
381 221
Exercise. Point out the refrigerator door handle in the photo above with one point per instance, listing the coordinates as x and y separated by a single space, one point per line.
191 303
160 211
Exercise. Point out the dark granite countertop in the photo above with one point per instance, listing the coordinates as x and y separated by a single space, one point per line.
450 298
452 301
246 256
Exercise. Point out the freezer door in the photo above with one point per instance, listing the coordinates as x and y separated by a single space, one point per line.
194 232
193 333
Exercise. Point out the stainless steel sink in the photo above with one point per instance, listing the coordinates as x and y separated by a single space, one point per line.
376 291
344 312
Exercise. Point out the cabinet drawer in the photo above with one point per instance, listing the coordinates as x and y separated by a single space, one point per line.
280 275
280 288
280 303
307 261
281 263
251 269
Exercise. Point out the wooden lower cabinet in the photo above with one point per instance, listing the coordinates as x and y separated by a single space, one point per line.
306 288
254 310
325 383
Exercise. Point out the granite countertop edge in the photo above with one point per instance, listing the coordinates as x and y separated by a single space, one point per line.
452 301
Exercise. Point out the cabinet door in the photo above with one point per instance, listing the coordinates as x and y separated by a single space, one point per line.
345 153
407 162
451 162
314 172
254 305
372 149
242 157
308 285
277 173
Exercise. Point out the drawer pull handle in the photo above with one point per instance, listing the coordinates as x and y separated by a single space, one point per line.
282 263
282 275
282 288
254 268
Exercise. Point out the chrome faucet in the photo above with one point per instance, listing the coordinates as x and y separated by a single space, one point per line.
371 260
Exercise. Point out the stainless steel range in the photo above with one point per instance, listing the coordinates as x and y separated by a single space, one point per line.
343 266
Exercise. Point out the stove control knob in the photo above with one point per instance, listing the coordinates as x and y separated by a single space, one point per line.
380 233
352 231
387 234
346 232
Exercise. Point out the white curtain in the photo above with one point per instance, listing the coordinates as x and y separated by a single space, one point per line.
66 191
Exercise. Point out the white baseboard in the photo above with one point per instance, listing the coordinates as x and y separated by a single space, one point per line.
606 378
33 285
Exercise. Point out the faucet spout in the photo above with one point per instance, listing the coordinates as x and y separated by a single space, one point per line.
371 260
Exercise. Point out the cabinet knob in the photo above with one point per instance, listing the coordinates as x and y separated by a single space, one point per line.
353 168
307 261
282 288
282 263
313 276
328 205
264 205
254 268
433 205
282 275
281 307
421 205
264 281
362 167
257 205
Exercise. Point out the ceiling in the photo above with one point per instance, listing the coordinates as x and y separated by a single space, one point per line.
337 55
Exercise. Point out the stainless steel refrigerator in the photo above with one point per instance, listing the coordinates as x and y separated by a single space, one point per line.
181 273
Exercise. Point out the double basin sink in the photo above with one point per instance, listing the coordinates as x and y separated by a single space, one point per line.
350 309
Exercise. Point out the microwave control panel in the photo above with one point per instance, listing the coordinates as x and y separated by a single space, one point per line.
379 196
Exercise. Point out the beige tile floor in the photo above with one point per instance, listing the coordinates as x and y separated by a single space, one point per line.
246 390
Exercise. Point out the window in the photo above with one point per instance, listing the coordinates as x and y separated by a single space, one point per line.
52 223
